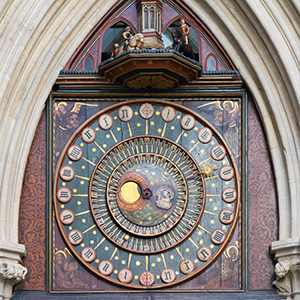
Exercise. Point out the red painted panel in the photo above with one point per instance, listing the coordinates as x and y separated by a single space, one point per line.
168 13
131 15
263 216
32 224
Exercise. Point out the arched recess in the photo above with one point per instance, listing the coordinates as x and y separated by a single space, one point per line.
110 33
211 62
114 37
89 63
36 47
194 36
95 36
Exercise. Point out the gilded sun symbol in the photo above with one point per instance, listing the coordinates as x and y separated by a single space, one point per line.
208 170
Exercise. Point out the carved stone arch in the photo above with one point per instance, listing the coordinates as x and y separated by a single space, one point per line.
253 34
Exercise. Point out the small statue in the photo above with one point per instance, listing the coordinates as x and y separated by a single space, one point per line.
180 45
132 42
116 50
127 36
185 30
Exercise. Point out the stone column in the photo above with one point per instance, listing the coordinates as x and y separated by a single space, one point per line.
287 255
11 270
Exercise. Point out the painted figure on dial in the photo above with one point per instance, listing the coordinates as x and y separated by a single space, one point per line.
66 268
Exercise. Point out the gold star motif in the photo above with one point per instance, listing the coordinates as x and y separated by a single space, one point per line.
208 170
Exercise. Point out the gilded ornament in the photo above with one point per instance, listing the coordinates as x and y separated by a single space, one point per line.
153 81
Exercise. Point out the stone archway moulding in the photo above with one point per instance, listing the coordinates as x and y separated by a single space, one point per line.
37 37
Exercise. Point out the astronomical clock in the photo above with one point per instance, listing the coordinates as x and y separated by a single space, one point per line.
147 155
149 175
147 194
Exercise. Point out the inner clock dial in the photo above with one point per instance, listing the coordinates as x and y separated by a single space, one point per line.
147 194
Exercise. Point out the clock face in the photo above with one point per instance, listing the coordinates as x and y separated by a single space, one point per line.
147 194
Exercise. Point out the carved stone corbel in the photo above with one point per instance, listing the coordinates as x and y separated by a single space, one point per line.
283 280
287 268
294 269
11 271
10 274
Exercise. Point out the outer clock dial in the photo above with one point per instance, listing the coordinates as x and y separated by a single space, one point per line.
147 194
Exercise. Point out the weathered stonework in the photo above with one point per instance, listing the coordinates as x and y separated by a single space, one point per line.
287 268
11 271
262 38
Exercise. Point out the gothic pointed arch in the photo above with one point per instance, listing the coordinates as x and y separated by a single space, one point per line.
258 45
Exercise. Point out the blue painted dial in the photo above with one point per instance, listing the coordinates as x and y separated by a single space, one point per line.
147 200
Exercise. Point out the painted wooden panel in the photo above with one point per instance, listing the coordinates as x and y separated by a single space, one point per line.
262 211
32 224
